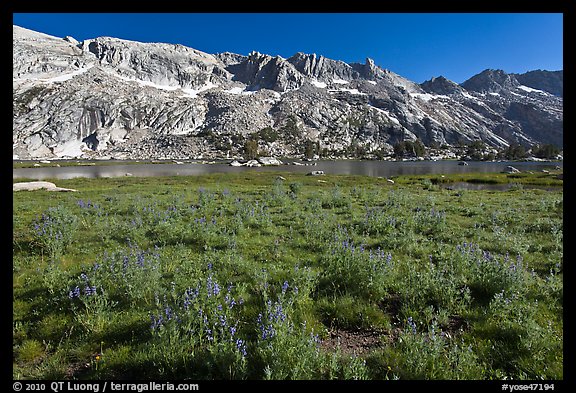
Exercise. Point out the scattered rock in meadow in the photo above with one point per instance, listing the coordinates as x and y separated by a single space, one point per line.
39 185
269 161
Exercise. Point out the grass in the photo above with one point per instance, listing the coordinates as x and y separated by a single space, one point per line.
549 178
246 276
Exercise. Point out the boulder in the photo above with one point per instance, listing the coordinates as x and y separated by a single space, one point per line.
511 169
38 185
315 173
252 163
269 161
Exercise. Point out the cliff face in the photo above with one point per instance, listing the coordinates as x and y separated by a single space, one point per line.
123 99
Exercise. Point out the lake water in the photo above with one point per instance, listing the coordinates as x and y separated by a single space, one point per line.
340 167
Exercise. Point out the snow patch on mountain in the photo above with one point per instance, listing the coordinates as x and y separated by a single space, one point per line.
320 85
532 90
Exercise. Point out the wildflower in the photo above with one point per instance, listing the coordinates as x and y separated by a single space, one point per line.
190 295
222 319
279 313
284 287
241 346
314 338
168 312
89 291
74 293
156 322
140 259
212 286
412 325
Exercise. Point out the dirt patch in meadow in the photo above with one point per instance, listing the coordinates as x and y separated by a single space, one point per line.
353 342
76 370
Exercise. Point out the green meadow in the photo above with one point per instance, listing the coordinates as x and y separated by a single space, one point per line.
287 276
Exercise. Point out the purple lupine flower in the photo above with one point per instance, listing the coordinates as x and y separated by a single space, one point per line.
241 346
84 277
284 287
89 291
279 313
140 259
168 312
74 293
266 331
223 320
190 295
215 289
412 325
156 322
314 338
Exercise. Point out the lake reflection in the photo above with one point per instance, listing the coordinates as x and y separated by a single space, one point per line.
343 167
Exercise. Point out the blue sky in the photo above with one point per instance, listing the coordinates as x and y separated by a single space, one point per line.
418 46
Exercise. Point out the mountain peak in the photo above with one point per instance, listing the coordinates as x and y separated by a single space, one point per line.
491 81
441 85
549 81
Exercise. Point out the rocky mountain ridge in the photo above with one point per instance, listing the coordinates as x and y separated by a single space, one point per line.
108 97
